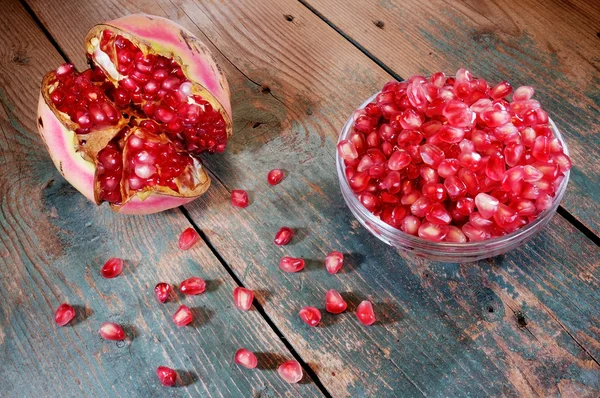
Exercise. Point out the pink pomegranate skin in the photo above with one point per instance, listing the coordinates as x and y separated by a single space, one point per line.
199 66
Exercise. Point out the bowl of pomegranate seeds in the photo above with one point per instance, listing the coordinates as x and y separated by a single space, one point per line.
449 168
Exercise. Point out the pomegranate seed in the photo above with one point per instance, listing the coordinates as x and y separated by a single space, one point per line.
245 358
112 268
523 93
111 331
455 235
399 160
64 314
433 232
334 302
310 315
431 155
410 225
487 205
438 214
167 376
183 316
501 90
475 233
365 314
290 371
448 167
275 176
239 198
291 264
334 262
347 150
162 291
188 238
243 298
283 236
193 286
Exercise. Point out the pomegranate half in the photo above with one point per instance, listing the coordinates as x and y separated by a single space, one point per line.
129 130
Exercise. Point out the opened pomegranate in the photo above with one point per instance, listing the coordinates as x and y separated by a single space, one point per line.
129 131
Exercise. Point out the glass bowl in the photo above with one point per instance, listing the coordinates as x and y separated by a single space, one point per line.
443 251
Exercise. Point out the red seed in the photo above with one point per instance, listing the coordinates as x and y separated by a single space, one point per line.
438 214
501 90
310 315
275 176
283 236
487 205
291 264
166 376
433 232
245 358
431 155
455 235
111 331
334 302
410 225
162 291
183 316
399 160
243 298
365 314
193 286
239 198
64 314
347 150
112 268
334 262
188 238
290 371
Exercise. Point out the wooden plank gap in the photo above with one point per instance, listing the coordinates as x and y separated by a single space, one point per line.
579 225
42 27
258 307
352 41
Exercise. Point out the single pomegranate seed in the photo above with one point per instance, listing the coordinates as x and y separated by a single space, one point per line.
183 316
111 331
112 268
365 314
410 225
193 286
243 298
245 358
399 160
167 376
291 264
310 315
290 371
334 302
188 238
501 90
162 291
347 150
275 176
433 232
239 198
455 235
334 262
283 236
487 205
64 314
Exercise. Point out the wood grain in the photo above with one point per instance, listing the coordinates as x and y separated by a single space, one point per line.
522 324
551 45
52 245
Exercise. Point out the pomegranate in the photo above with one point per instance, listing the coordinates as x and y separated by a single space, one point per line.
283 236
310 315
245 358
112 268
243 298
64 314
129 131
275 176
162 291
166 376
111 331
188 238
290 371
451 159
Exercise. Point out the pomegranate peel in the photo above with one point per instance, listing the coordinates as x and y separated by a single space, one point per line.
178 106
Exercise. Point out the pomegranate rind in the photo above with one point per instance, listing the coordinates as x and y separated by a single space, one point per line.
164 37
62 145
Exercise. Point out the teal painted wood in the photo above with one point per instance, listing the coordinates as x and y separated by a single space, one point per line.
52 245
294 81
551 46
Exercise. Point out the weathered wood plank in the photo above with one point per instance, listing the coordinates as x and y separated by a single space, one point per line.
294 80
53 243
552 45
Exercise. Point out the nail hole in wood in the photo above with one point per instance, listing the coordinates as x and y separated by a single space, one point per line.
265 89
521 321
40 122
288 17
379 24
490 309
598 34
255 125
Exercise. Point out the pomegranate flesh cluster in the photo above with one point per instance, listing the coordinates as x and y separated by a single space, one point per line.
140 115
450 159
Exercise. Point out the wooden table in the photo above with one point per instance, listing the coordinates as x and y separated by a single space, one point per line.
523 324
